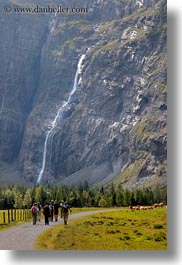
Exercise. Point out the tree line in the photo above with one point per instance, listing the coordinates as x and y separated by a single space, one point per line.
18 197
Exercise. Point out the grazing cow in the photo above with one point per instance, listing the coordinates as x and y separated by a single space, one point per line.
138 207
150 207
158 205
133 208
146 207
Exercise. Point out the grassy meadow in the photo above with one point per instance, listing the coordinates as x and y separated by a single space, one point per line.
121 230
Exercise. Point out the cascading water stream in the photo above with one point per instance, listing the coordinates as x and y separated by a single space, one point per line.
54 122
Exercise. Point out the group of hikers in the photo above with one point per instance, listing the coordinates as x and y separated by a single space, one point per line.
50 211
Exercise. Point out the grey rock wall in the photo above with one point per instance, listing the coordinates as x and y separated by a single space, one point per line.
114 129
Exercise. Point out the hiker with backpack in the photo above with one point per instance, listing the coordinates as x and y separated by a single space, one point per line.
51 208
65 212
34 211
56 210
46 211
61 208
38 211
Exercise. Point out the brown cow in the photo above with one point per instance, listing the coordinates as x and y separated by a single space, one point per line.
133 208
158 205
150 207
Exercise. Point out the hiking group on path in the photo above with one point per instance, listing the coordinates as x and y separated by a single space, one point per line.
50 211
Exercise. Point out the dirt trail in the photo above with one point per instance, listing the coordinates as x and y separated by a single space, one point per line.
22 237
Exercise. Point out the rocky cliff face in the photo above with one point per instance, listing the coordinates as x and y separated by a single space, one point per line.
114 127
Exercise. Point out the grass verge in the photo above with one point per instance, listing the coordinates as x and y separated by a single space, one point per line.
121 230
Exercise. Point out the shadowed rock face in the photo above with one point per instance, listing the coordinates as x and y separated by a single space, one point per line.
20 47
114 128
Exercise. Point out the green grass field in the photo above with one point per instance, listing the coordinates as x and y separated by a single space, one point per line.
121 230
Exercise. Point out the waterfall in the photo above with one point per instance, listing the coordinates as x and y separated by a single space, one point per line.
54 122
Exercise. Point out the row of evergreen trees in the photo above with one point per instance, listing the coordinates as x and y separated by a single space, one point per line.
82 196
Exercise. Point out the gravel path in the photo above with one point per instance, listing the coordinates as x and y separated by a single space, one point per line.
22 237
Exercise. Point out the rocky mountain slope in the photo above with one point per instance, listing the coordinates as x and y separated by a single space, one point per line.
114 126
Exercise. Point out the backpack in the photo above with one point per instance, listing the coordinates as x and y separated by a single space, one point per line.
65 209
34 210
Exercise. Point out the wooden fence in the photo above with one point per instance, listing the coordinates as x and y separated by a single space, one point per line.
14 215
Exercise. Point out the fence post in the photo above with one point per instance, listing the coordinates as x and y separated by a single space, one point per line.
8 216
28 214
15 215
4 217
23 214
11 215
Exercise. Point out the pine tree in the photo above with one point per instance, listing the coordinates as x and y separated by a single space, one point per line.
119 196
27 202
126 200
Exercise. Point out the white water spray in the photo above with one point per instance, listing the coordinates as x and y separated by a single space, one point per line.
54 122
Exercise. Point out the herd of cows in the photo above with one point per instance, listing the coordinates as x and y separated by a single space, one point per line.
139 207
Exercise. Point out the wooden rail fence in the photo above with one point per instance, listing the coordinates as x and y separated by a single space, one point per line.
14 215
